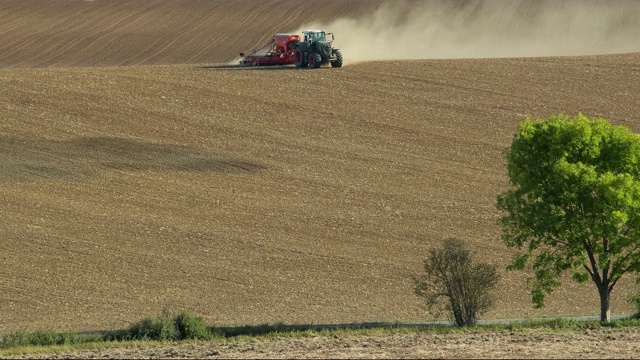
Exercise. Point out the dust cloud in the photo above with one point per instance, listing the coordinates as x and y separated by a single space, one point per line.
435 29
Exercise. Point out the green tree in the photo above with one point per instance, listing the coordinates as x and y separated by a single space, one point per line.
575 203
634 299
452 283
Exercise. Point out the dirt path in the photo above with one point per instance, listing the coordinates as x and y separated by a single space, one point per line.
539 344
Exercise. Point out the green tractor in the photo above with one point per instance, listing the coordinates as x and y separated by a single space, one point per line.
316 50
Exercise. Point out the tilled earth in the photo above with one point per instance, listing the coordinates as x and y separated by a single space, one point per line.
539 344
253 195
131 190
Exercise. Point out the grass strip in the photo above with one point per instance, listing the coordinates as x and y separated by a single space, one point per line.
187 327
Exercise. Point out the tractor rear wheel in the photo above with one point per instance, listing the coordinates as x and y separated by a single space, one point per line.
298 59
315 60
337 63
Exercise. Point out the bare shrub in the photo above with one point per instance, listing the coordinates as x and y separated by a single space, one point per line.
453 284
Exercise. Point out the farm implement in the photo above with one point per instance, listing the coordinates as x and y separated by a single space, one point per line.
279 51
312 51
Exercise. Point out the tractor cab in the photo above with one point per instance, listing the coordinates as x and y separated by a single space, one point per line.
312 36
316 49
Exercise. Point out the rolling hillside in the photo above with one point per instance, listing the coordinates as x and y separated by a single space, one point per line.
139 172
149 32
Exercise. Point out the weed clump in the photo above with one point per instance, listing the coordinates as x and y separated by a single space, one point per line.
184 326
160 328
39 338
192 327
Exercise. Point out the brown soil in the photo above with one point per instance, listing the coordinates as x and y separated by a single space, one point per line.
252 195
150 32
589 344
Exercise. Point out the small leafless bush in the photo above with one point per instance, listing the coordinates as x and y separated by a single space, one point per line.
453 284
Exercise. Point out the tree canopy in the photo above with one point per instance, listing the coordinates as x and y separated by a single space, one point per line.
575 203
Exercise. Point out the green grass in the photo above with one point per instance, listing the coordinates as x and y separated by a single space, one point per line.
45 338
188 327
184 326
21 351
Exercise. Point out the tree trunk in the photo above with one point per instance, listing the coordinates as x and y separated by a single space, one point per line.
605 297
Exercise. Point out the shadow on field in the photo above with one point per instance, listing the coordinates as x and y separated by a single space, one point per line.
265 329
33 159
262 329
259 68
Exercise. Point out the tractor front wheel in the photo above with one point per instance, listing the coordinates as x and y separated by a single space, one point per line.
337 63
315 60
298 59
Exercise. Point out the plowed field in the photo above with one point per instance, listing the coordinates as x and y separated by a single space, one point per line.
531 344
139 172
